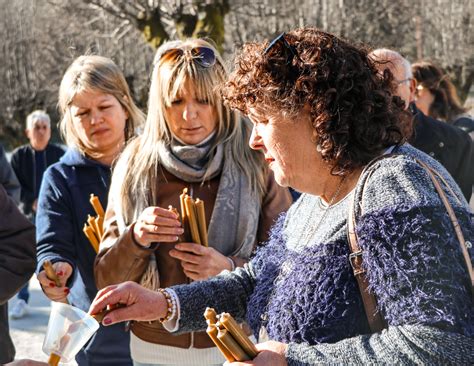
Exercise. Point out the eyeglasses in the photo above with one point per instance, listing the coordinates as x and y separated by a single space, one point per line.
280 39
399 82
203 56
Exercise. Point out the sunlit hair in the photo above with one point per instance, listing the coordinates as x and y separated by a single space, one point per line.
353 113
92 73
38 115
446 104
137 188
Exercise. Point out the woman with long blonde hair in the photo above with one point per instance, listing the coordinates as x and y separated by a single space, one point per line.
98 118
190 140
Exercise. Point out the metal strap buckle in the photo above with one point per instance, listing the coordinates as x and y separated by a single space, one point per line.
357 268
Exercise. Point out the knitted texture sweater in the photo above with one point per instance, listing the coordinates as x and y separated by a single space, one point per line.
301 289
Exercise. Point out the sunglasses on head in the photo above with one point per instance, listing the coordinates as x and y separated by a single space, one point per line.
280 40
203 56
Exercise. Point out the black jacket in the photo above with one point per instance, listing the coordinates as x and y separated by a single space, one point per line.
23 163
466 123
8 178
451 146
17 263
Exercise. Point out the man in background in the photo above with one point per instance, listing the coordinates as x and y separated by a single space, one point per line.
448 144
29 163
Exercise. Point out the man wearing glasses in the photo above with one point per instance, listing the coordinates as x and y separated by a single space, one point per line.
451 146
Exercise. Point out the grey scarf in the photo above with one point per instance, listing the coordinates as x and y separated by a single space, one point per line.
233 226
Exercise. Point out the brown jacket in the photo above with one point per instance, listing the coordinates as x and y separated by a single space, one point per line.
132 259
17 263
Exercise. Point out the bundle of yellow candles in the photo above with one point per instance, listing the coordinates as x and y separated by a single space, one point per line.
93 229
193 218
229 337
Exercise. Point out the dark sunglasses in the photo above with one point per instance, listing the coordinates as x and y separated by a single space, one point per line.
280 40
203 56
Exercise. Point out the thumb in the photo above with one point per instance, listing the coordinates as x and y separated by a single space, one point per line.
120 314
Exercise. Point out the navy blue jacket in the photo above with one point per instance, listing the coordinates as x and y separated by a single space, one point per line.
23 163
63 206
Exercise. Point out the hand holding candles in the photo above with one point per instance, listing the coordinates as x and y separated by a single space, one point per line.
93 229
53 280
230 339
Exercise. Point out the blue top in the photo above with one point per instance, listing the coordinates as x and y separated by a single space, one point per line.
63 206
300 287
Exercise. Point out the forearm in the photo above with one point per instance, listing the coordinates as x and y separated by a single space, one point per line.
409 344
227 292
123 261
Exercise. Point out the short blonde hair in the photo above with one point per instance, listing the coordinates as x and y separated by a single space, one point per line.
38 115
94 73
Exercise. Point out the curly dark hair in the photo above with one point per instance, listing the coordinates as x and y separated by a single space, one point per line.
353 112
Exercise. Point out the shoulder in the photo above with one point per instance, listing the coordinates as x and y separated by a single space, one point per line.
20 151
464 122
401 180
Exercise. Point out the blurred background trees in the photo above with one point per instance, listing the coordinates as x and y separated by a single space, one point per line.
42 37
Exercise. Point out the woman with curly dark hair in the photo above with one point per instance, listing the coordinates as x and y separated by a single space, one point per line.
366 267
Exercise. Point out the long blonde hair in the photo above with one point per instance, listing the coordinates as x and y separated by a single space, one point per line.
99 74
136 172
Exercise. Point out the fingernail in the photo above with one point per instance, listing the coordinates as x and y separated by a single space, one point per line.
60 273
51 284
181 231
176 238
66 290
107 321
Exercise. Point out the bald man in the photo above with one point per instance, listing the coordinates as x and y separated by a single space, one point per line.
451 146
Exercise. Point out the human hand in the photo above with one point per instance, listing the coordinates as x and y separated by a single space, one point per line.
53 292
200 262
269 353
140 303
26 362
156 224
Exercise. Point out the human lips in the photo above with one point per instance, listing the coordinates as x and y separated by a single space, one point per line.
269 159
99 131
192 129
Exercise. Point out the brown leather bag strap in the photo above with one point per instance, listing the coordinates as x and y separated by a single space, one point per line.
375 319
454 220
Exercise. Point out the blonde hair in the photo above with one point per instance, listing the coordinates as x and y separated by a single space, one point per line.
38 115
141 159
99 74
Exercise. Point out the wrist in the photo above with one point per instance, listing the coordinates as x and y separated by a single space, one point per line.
231 263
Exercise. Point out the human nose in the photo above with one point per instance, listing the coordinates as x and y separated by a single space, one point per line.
190 111
255 141
95 117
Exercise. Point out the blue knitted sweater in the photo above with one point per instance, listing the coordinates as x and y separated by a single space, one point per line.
300 285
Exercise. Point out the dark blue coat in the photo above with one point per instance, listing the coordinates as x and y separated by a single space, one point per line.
63 206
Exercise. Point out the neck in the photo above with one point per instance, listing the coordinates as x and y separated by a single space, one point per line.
38 147
107 157
337 187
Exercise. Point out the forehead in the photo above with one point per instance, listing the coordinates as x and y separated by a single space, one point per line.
87 98
39 122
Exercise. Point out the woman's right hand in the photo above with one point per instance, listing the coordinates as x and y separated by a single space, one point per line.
55 293
140 303
156 224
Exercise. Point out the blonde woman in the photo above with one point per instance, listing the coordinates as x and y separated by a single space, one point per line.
190 140
98 117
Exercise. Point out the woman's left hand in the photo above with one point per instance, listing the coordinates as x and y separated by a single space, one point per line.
200 262
270 353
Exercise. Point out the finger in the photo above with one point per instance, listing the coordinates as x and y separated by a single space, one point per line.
195 276
121 315
162 221
185 256
192 248
101 300
162 230
192 267
156 210
151 237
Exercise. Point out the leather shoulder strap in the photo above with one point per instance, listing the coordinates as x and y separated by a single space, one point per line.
375 319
